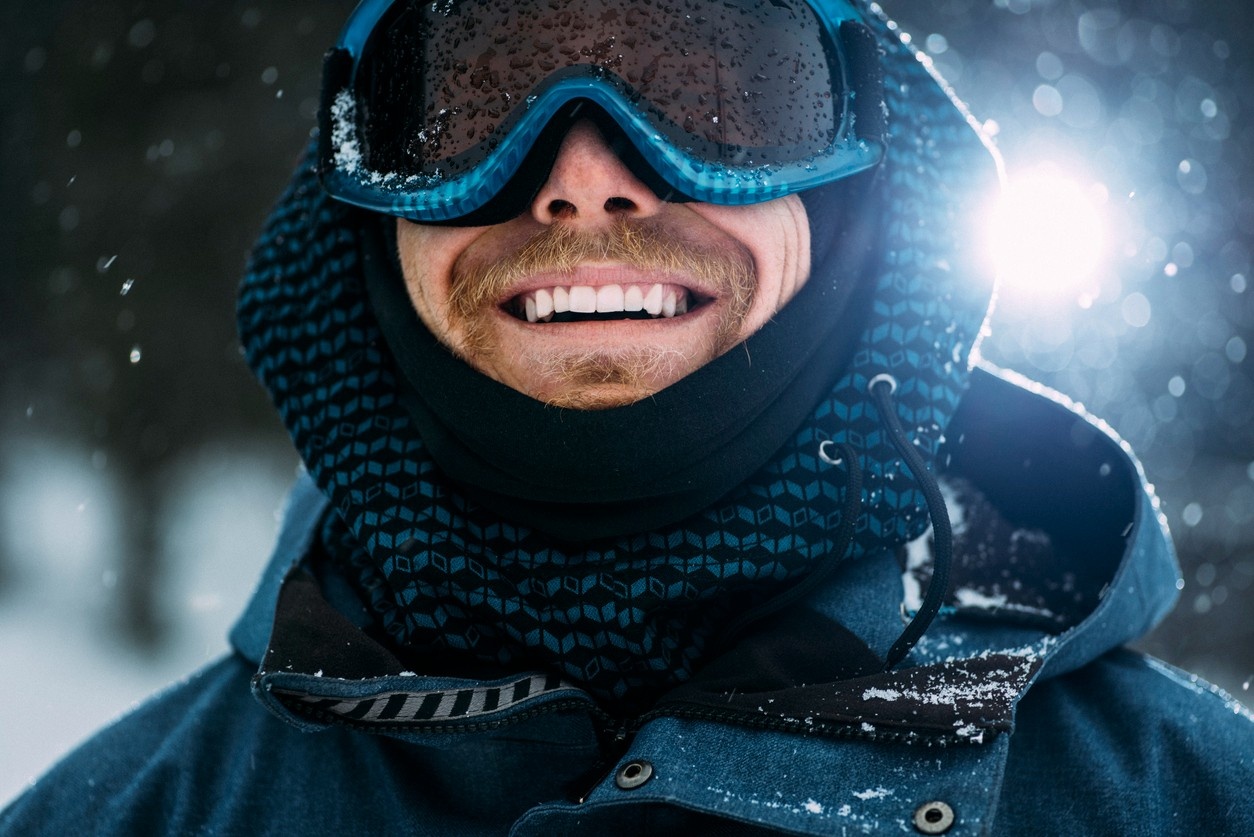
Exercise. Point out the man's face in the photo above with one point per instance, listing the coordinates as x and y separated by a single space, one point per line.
603 294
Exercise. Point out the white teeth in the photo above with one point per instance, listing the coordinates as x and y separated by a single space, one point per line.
657 300
633 300
653 300
583 300
544 303
609 299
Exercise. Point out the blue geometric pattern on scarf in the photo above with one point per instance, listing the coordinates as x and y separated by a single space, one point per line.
628 618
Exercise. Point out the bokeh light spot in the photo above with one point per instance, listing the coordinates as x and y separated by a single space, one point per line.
1047 100
1049 66
1081 102
1205 574
1047 233
1136 310
1191 176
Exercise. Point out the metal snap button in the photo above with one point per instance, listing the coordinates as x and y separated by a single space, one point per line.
933 818
633 774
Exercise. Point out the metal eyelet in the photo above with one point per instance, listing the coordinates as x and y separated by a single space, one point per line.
885 378
827 457
933 817
633 774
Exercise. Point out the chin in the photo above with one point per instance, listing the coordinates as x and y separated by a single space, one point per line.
596 379
597 398
599 386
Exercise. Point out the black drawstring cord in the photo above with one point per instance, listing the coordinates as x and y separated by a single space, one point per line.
882 388
844 538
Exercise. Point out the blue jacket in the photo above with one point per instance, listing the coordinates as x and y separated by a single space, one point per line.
1008 728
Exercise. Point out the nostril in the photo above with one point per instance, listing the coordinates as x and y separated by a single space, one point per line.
562 209
620 205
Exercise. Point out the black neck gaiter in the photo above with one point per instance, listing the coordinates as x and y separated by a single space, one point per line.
586 475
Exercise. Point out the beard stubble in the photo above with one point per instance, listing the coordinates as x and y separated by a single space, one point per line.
478 287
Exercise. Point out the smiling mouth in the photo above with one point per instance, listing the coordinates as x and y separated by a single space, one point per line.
585 303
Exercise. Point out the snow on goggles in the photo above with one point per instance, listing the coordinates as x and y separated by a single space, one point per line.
453 111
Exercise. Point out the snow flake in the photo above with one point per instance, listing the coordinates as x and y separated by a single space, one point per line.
970 731
873 793
969 597
343 137
882 694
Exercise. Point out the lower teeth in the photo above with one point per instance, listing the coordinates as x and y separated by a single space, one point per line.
571 317
520 310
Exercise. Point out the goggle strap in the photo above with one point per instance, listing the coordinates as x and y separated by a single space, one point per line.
866 78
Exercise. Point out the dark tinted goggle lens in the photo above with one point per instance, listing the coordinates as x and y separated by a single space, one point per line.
438 85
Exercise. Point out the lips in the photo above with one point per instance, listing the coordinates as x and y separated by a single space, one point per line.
576 303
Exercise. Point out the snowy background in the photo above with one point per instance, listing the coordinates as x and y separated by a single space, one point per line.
141 467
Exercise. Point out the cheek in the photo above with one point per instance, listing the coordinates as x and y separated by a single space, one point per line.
777 234
427 256
793 225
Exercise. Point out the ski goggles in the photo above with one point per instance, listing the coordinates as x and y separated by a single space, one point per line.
453 111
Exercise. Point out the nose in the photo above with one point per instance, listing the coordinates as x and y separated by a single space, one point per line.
589 186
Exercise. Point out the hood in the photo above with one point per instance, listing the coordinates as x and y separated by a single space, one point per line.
428 549
1060 476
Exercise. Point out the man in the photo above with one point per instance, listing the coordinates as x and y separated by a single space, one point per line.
623 344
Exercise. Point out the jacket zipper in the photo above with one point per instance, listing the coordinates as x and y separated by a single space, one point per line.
617 734
618 738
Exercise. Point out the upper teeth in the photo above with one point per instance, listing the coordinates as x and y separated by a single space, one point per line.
658 300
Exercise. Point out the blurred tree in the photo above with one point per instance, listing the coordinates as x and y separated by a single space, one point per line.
143 145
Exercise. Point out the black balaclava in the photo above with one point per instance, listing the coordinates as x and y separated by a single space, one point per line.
469 567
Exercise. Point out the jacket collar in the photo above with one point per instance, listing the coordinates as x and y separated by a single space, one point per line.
298 638
302 511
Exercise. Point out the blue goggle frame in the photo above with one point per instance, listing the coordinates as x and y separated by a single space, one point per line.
430 199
